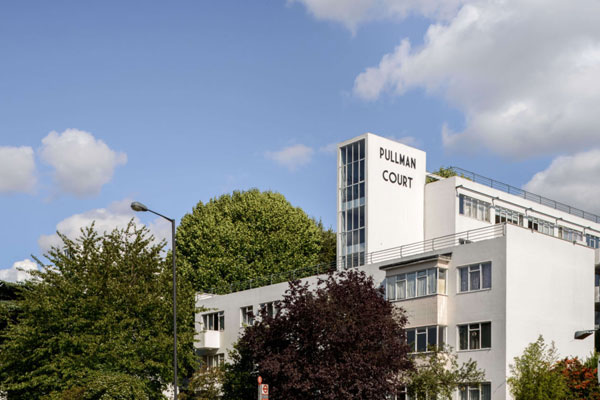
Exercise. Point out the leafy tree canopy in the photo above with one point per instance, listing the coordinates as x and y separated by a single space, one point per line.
247 235
534 376
97 322
342 340
581 378
437 374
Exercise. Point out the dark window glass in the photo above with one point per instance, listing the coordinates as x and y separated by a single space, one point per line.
355 175
362 170
461 204
362 190
361 221
464 279
486 391
463 337
355 223
349 215
487 275
474 336
343 154
355 192
432 336
410 339
422 339
441 335
355 237
486 335
475 284
362 235
362 149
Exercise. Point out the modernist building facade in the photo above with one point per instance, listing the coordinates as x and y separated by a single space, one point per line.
476 264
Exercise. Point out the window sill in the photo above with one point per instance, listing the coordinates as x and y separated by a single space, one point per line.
418 297
475 291
470 351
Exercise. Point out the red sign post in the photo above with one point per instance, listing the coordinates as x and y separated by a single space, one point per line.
263 390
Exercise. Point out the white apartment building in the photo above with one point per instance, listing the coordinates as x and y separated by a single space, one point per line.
476 264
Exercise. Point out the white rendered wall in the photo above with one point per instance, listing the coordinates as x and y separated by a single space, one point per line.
395 213
549 292
440 208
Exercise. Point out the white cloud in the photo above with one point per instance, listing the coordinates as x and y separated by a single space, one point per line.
571 180
17 169
525 73
116 215
292 157
14 274
330 148
352 13
82 164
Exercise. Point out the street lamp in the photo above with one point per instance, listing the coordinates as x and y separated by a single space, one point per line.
137 206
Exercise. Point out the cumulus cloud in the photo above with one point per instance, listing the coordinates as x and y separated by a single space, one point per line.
17 169
572 180
82 164
116 215
292 157
19 271
352 13
526 74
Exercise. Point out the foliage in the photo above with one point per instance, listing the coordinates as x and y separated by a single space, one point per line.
247 235
10 293
438 374
581 379
342 340
534 376
97 323
205 384
442 172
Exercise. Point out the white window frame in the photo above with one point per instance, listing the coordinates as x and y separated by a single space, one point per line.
213 360
471 268
465 392
218 320
440 332
246 315
396 284
473 327
272 308
474 208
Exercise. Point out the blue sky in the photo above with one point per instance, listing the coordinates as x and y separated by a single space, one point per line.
170 104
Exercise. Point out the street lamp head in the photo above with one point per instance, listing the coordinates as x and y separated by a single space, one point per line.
580 335
137 206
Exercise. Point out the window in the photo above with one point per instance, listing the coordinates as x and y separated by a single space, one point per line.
416 284
505 215
421 339
475 336
482 391
214 321
540 225
474 208
247 315
569 234
271 308
475 277
592 241
213 360
352 195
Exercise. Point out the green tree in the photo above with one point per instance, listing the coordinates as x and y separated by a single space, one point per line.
205 384
442 172
247 235
341 340
437 374
97 322
534 375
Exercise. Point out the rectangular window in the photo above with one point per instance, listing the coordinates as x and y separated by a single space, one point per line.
422 339
475 277
482 391
271 308
569 234
475 336
247 315
592 241
416 284
214 321
213 360
540 225
474 208
505 215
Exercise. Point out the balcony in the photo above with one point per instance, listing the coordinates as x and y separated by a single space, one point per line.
208 340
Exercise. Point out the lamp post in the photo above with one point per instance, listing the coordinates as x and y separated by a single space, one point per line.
139 207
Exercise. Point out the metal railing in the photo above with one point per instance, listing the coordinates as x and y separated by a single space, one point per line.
525 194
475 235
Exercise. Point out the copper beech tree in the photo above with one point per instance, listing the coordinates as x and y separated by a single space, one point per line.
340 340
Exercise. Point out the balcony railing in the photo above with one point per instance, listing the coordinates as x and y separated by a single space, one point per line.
525 194
475 235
